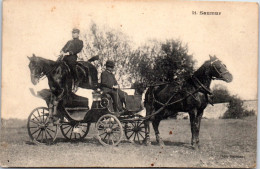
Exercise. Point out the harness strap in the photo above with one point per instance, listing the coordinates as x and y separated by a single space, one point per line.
201 85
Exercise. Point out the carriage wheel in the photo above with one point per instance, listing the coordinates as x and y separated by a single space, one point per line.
110 130
75 131
135 130
39 129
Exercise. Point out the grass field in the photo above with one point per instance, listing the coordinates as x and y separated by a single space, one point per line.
224 143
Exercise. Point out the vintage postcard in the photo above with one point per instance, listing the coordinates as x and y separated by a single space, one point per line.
117 83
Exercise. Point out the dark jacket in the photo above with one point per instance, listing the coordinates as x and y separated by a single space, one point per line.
108 80
73 46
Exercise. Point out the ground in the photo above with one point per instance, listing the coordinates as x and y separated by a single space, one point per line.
224 143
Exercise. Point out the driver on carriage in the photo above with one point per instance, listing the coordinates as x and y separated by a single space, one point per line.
110 86
69 53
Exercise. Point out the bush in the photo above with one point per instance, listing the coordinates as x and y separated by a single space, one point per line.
236 109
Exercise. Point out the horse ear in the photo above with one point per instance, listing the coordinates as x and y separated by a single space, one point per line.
29 58
33 55
211 58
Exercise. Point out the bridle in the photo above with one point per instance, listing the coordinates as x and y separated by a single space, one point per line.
219 73
42 74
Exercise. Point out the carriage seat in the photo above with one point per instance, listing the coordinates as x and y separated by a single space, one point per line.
76 101
133 103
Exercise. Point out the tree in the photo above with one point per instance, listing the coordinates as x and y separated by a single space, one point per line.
151 63
163 62
108 44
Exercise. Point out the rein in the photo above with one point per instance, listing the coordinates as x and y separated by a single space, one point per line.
202 85
47 73
164 105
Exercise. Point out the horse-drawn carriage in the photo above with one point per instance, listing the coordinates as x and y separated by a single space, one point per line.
191 96
78 116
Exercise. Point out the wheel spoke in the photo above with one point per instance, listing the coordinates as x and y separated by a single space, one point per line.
68 130
49 134
36 131
112 141
134 136
108 140
102 134
138 137
141 135
102 123
133 124
36 117
35 122
105 136
38 113
84 131
131 134
38 135
50 130
65 127
71 133
139 124
112 125
45 135
42 137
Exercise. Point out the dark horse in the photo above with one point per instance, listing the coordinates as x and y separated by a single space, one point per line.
164 100
59 76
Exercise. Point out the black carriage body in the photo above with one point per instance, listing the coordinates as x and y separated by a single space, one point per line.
77 118
76 108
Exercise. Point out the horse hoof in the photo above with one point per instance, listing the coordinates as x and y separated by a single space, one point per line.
161 144
195 147
147 143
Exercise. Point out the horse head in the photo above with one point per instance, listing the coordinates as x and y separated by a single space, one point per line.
219 70
36 69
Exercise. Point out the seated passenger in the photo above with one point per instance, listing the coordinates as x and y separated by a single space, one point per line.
110 86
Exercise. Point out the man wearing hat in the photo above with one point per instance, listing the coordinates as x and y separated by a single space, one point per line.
70 50
109 85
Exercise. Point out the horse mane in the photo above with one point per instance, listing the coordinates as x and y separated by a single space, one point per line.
201 70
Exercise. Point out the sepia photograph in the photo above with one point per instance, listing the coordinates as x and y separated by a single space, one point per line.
118 83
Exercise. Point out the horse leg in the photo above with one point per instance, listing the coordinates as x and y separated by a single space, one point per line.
197 127
156 123
193 121
147 141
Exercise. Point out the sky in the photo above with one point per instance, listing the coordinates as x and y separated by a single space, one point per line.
43 27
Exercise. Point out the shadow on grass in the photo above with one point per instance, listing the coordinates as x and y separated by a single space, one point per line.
178 144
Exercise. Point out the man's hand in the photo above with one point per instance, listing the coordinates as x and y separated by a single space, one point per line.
115 86
61 53
64 54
